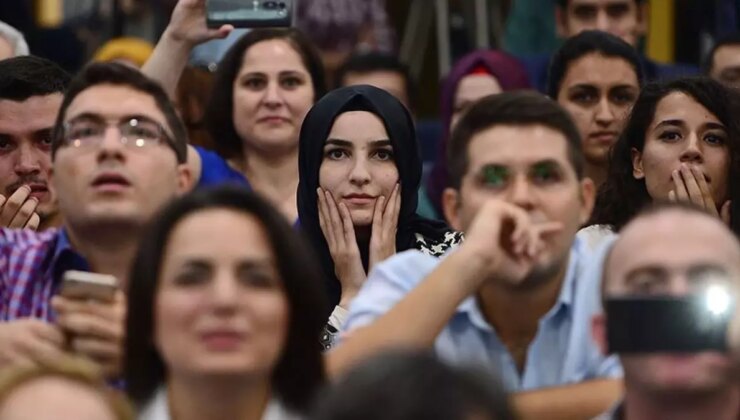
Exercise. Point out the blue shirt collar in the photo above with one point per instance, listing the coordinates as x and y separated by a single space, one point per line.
65 258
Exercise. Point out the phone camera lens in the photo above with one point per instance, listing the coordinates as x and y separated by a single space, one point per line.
283 5
270 5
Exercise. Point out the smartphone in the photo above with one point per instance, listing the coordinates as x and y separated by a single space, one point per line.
667 324
82 285
249 13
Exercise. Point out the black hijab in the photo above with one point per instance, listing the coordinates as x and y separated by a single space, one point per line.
400 127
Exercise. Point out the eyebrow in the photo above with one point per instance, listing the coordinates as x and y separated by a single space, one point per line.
100 118
680 123
655 270
347 143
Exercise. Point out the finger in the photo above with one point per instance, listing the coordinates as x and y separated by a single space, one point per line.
23 216
325 220
542 231
672 196
348 227
2 200
378 219
390 218
336 220
522 225
41 351
111 311
96 349
725 213
33 222
13 204
49 333
84 325
704 190
692 186
681 192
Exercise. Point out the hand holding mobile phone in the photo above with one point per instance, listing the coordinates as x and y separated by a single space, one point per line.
250 13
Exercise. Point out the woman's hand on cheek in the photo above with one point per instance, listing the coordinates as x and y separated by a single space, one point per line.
385 225
690 186
336 224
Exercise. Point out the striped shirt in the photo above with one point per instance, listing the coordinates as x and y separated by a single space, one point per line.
31 268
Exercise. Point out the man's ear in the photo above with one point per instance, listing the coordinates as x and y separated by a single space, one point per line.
184 179
588 198
451 208
637 169
598 332
561 22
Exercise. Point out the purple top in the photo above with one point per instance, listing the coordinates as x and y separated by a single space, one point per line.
509 73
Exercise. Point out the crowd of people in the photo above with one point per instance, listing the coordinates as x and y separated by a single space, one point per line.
303 259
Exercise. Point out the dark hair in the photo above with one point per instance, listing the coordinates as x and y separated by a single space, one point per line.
368 62
219 114
590 42
300 370
403 385
511 108
26 76
120 75
728 40
622 196
564 3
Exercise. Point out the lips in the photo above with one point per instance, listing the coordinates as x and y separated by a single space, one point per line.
604 136
222 340
359 199
38 190
272 119
110 181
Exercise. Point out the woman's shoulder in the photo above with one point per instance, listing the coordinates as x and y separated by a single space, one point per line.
438 246
216 170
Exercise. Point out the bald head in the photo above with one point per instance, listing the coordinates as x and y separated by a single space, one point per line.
671 250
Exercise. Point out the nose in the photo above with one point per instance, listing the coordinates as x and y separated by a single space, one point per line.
28 160
602 21
520 193
273 95
359 175
679 286
604 112
111 146
224 292
692 150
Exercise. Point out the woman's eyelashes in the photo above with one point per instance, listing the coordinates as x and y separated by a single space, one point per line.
711 138
248 273
382 154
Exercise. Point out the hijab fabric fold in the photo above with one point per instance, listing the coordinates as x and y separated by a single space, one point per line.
400 127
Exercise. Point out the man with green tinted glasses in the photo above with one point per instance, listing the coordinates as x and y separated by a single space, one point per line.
517 297
118 154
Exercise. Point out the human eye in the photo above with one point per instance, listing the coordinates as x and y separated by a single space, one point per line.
193 275
254 83
291 82
545 174
6 143
494 176
84 130
623 97
257 276
585 12
584 97
715 139
43 139
336 153
383 154
616 11
669 136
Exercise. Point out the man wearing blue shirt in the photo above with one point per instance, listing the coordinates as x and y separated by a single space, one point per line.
518 296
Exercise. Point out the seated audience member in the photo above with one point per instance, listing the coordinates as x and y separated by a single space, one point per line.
118 154
31 90
680 143
125 50
653 258
263 89
627 19
64 390
723 61
478 74
223 313
360 170
596 77
381 70
410 385
514 299
12 42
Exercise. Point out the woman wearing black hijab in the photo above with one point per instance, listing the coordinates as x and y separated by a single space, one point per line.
359 171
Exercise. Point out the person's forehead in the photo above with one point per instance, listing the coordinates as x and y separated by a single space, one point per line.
114 102
517 145
32 114
681 107
598 3
590 69
270 56
727 55
476 86
357 124
673 240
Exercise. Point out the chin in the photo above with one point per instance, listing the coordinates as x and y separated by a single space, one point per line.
361 218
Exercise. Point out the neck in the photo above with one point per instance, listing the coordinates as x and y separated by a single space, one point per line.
721 405
49 221
274 177
108 250
236 398
597 172
515 312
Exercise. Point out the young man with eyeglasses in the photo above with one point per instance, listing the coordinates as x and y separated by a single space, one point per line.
118 154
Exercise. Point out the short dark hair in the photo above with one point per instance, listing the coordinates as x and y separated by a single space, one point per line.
120 75
564 3
410 385
621 197
300 370
732 39
26 76
511 108
590 42
368 62
219 114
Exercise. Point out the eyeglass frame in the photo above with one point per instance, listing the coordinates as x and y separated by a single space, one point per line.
163 138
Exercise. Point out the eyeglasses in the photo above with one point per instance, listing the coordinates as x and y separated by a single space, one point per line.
134 132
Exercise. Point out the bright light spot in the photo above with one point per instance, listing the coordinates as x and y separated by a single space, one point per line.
718 300
140 143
